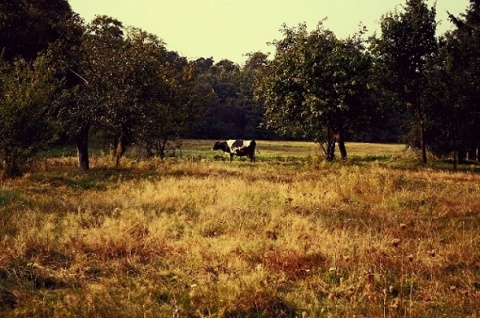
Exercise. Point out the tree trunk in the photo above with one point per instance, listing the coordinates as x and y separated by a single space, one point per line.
341 144
473 152
419 113
12 167
462 155
149 151
162 146
423 146
82 148
455 160
118 152
330 146
329 151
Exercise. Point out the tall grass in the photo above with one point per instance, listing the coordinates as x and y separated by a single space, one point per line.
207 238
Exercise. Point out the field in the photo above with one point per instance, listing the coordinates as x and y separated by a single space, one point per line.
197 236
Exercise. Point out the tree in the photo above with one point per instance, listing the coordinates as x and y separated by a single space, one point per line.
106 67
316 86
123 85
135 91
26 92
92 58
403 53
165 93
73 112
252 108
256 61
114 69
459 118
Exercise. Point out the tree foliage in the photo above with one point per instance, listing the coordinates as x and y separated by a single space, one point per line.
26 91
458 118
167 96
229 109
29 26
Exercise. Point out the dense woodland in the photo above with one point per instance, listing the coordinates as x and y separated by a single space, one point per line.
66 81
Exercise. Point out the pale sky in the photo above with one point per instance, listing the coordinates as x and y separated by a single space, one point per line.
228 29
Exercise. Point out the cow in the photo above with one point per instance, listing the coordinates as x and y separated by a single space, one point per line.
237 147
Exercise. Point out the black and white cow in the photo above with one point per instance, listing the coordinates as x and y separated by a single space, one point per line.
237 147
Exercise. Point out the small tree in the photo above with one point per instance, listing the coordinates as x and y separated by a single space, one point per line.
25 95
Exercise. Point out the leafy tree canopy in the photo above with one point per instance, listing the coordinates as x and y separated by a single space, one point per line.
316 84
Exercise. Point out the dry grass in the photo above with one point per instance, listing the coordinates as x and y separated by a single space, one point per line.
207 238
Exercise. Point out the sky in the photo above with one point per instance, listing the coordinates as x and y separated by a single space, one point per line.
229 29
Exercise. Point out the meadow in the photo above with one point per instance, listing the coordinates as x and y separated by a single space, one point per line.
195 235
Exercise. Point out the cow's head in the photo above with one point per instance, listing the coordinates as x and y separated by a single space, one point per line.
220 145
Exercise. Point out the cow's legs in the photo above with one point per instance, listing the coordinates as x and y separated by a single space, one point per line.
231 157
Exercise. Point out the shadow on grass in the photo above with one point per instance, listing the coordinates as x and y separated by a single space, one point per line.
373 158
99 179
